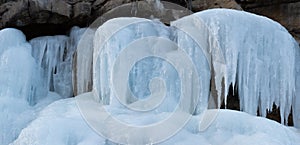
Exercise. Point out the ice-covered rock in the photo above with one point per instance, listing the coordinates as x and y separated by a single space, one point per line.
116 37
54 55
18 70
82 61
253 52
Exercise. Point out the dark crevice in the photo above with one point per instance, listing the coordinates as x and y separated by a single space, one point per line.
246 5
36 30
233 103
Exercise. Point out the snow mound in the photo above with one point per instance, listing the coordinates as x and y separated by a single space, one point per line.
60 123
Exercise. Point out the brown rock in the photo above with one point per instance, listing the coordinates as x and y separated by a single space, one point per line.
14 13
82 9
198 5
61 7
286 12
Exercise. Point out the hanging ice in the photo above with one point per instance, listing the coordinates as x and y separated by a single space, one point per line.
258 57
82 62
296 101
250 51
54 54
19 85
113 38
17 67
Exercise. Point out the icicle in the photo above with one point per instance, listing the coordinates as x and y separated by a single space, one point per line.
254 52
296 101
83 58
18 72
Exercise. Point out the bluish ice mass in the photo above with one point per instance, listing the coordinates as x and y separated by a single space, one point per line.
37 79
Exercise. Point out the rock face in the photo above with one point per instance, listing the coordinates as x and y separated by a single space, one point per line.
198 5
286 12
64 14
18 13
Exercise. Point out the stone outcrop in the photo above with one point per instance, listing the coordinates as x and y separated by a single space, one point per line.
199 5
20 13
286 12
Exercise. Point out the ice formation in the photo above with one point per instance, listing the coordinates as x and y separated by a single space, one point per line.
54 55
259 59
113 38
296 101
250 51
253 53
82 61
16 66
20 85
230 127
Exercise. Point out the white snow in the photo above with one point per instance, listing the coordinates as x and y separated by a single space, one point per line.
16 114
60 123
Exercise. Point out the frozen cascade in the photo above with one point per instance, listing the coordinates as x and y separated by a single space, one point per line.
260 83
82 63
54 55
17 67
258 53
296 105
20 85
260 59
138 79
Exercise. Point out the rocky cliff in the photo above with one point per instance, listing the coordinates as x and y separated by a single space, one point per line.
49 17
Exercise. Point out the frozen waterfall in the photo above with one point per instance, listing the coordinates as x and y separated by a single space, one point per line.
54 55
258 56
253 52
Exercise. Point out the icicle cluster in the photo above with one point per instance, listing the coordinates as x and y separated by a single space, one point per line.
17 67
252 52
54 55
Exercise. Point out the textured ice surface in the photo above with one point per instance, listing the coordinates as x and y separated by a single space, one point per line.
250 51
16 114
54 55
21 94
296 102
16 65
113 38
60 123
82 62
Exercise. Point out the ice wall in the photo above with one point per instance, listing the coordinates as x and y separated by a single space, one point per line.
112 39
20 87
82 62
17 67
243 49
54 55
258 53
296 101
